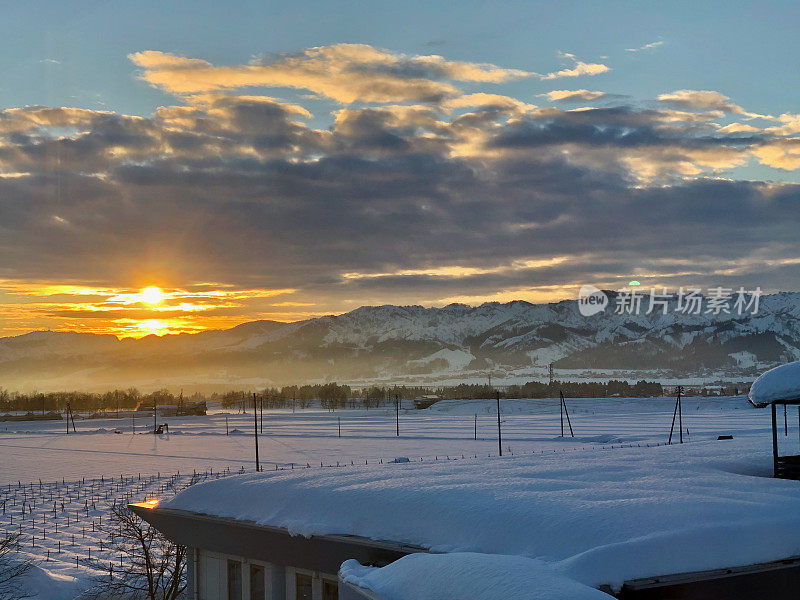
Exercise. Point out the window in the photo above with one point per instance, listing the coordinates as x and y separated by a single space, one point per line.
257 583
330 589
302 586
234 580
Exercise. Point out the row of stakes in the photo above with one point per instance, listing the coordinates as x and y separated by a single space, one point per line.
87 493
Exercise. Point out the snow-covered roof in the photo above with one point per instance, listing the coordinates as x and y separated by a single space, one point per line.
462 575
596 516
779 384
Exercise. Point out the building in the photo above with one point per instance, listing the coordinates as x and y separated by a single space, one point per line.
780 387
232 559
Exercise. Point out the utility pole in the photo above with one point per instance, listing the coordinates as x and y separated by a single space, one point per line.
255 430
155 411
499 433
261 405
70 417
678 411
551 373
397 414
339 421
476 427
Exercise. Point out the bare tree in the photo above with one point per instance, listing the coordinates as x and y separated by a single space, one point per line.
12 568
152 568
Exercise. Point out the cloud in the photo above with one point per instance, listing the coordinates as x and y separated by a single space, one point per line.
414 201
706 100
574 95
780 154
789 125
580 68
649 46
346 73
738 128
486 101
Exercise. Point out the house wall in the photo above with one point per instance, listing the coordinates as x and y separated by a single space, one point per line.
317 579
191 573
211 578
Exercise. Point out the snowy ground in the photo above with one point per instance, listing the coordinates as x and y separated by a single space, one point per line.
42 450
83 469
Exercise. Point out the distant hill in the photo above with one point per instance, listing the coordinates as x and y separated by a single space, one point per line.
515 340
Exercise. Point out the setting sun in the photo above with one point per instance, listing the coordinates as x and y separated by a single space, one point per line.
152 296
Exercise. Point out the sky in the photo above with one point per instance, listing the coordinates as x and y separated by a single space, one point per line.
175 167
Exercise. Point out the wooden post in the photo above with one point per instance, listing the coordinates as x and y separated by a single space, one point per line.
499 432
785 422
561 410
566 412
397 414
672 427
680 413
774 441
255 429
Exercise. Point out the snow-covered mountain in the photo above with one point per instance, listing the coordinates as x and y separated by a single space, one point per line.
395 342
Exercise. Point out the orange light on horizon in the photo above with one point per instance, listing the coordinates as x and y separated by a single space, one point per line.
136 312
152 327
152 503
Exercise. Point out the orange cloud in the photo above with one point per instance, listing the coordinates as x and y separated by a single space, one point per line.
573 95
780 154
343 72
580 68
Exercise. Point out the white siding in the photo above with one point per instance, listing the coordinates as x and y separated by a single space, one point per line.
212 578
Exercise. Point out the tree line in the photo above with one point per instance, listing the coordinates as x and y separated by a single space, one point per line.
112 400
330 395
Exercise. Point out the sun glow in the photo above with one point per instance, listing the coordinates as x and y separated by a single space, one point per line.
153 327
137 312
152 296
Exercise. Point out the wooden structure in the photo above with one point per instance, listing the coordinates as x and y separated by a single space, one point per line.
786 466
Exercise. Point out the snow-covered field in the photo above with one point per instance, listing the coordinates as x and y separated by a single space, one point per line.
36 450
95 467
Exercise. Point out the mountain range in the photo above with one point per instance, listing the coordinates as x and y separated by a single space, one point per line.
514 341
